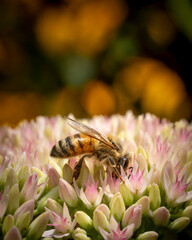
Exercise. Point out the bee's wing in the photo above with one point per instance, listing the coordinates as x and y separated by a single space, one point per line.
80 127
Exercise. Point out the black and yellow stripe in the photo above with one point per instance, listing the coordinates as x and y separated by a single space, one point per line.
73 146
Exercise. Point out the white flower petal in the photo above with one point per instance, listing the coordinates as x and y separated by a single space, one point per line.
99 197
66 212
84 199
185 197
113 223
129 230
49 233
104 234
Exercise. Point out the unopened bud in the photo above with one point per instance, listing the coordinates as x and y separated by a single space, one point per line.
117 206
8 223
80 234
180 223
100 220
11 178
126 194
155 197
132 215
161 216
23 221
13 234
38 226
13 194
25 207
83 220
187 212
151 235
54 206
67 173
145 203
67 193
53 177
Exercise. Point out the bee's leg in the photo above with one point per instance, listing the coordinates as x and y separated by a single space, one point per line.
131 169
131 172
77 168
114 166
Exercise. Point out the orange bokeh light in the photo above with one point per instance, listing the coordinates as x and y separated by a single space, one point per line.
157 88
98 98
86 27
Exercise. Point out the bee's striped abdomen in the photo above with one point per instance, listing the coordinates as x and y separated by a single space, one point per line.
73 146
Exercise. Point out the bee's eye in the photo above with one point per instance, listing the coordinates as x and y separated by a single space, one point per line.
125 161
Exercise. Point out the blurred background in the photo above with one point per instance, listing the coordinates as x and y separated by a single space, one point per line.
95 57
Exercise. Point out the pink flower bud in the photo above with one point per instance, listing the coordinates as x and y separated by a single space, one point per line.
161 216
67 193
25 207
13 234
132 215
29 190
53 177
144 202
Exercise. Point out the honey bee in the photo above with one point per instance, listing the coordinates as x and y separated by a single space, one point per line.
88 142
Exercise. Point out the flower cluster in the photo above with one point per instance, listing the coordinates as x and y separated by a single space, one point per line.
39 198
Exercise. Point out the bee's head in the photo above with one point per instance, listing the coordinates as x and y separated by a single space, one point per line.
124 161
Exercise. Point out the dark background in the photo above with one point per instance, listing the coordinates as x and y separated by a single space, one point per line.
95 57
